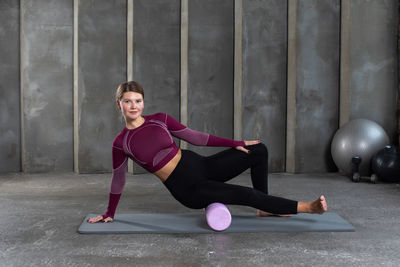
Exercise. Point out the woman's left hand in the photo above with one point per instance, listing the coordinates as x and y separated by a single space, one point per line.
247 143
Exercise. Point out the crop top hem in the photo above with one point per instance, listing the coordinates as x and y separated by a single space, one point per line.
165 160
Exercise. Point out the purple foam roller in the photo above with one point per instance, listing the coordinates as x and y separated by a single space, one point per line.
218 216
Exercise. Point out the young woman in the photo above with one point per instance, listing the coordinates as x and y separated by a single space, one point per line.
193 180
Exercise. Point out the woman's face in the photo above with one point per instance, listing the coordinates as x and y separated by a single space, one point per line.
131 105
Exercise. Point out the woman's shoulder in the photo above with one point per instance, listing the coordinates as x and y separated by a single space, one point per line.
170 122
159 116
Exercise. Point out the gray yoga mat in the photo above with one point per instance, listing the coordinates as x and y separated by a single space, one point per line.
169 223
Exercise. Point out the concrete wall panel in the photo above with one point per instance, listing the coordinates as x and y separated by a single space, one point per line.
210 64
46 81
156 55
10 130
373 57
38 62
317 85
264 76
102 66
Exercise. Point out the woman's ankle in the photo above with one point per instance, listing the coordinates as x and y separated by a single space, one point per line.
303 207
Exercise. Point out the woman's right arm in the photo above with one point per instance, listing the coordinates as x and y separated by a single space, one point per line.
117 184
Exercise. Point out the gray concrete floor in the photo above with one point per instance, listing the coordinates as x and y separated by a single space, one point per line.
40 214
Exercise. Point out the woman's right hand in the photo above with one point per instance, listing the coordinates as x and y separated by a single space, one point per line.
99 218
248 143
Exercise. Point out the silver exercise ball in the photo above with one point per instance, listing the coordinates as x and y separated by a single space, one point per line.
362 138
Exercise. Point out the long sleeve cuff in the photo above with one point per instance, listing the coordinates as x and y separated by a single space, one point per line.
223 142
112 205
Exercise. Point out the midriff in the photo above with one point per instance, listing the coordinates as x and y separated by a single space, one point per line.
166 171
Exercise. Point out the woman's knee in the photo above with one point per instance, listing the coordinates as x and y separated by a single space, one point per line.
260 149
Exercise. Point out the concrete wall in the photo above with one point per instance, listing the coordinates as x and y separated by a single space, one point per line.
46 85
317 87
210 67
373 69
101 67
156 55
51 126
10 157
264 76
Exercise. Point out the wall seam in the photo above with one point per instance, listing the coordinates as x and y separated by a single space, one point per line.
129 46
238 71
21 84
344 91
76 87
184 66
291 89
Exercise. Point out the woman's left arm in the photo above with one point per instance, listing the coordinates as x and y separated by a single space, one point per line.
201 139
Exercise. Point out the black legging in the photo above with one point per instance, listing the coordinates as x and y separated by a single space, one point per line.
198 181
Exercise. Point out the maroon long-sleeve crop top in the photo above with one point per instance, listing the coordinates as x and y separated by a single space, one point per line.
151 146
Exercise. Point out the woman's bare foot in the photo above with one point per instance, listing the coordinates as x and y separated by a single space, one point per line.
318 206
264 214
99 218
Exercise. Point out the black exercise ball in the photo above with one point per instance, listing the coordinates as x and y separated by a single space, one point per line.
386 164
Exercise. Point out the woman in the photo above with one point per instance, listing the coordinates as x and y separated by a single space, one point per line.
195 181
